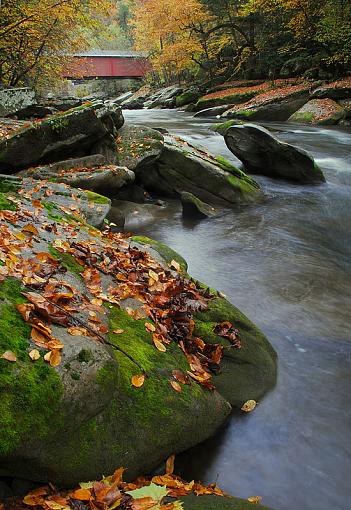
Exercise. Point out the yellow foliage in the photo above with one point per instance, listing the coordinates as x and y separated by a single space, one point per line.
36 36
166 29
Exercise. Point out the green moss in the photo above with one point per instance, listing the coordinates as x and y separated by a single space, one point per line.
85 356
247 373
8 184
304 117
96 198
6 204
30 391
165 251
67 261
223 127
186 98
212 502
245 113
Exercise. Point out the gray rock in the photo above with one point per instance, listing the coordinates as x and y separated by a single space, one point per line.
69 134
13 99
34 111
5 491
214 111
320 112
195 208
262 153
332 93
193 502
47 171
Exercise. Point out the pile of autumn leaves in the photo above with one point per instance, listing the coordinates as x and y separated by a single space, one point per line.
168 300
158 493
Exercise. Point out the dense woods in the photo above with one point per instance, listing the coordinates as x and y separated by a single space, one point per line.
198 39
245 38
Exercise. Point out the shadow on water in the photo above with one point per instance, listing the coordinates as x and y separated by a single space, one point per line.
286 263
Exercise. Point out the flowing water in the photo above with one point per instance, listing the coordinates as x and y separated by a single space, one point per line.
286 264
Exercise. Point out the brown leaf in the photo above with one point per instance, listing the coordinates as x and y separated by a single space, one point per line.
159 345
176 386
78 331
9 356
55 358
180 376
31 229
143 504
255 499
175 265
81 494
170 465
150 327
138 380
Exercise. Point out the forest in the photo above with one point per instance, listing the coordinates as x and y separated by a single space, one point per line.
202 40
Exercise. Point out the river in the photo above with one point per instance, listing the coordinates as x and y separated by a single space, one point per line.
286 264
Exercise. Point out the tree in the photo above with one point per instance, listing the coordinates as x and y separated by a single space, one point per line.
37 36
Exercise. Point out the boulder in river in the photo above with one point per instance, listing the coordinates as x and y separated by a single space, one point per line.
262 153
93 373
320 112
73 133
169 165
195 208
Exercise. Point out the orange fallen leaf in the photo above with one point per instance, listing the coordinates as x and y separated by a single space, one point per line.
31 229
150 327
170 465
138 380
9 356
249 406
255 499
77 331
55 358
81 494
176 386
143 504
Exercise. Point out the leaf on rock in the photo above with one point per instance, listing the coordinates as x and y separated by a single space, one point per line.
176 386
152 491
34 354
138 380
249 406
9 356
81 494
180 376
175 265
255 499
170 465
30 229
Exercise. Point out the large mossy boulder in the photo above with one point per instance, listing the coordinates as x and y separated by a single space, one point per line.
74 133
262 153
96 301
274 105
169 166
319 112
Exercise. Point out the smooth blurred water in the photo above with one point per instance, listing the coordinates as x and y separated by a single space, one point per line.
286 264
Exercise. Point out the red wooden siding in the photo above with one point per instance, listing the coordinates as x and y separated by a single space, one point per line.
108 67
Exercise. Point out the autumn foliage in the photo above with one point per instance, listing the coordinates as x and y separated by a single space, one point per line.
37 36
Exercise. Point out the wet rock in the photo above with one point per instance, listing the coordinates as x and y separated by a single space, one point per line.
168 166
214 111
64 103
188 96
5 491
262 153
320 112
70 134
34 111
48 171
193 502
13 99
195 208
332 92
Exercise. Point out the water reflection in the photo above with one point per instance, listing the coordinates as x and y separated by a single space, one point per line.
286 264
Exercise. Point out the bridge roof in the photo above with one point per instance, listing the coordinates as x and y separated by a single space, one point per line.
111 54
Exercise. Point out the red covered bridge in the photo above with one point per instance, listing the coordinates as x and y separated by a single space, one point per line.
108 64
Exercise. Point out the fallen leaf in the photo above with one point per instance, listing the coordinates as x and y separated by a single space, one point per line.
175 265
150 327
31 229
81 494
118 331
176 386
34 355
249 406
138 380
159 345
9 356
255 499
55 358
180 376
170 465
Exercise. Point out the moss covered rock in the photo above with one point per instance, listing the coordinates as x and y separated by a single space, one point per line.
218 503
81 417
262 153
320 112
